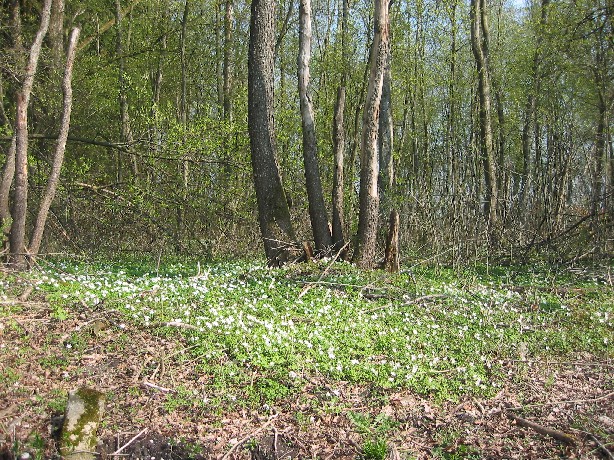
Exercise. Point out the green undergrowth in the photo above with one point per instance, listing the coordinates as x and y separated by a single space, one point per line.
260 332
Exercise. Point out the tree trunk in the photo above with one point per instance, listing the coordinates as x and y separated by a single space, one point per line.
386 128
20 203
227 70
391 256
317 209
338 224
56 33
58 158
8 174
126 131
479 46
184 166
8 170
338 149
273 213
368 195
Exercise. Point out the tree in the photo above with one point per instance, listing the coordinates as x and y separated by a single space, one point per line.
317 209
273 213
479 45
369 168
17 235
58 158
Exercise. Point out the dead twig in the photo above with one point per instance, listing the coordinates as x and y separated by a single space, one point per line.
118 451
158 387
249 436
556 434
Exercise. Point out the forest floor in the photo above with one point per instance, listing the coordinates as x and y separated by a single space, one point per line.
162 403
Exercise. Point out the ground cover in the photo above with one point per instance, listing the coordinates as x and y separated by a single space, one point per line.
333 361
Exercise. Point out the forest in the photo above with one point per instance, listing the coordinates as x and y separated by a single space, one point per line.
493 127
315 229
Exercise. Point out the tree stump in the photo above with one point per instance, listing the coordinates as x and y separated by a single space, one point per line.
83 413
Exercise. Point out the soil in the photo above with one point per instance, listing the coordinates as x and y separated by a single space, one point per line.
43 356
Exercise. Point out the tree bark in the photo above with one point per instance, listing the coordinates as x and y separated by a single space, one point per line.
273 213
8 170
126 131
479 46
338 149
338 224
20 203
368 195
58 158
386 131
391 256
227 70
56 33
317 208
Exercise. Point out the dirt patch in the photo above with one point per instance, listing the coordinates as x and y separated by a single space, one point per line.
151 388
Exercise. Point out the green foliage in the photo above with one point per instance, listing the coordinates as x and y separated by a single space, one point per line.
374 450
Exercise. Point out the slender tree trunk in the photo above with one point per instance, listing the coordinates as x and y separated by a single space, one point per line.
317 209
183 106
58 158
17 236
227 71
273 213
526 176
598 195
450 140
338 224
386 131
480 52
369 168
184 166
8 173
126 131
338 149
8 170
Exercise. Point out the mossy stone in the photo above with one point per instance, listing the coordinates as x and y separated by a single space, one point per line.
83 413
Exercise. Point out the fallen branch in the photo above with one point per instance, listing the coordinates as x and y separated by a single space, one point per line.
602 447
118 451
249 436
572 401
556 434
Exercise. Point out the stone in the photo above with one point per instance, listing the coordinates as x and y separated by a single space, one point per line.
83 414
